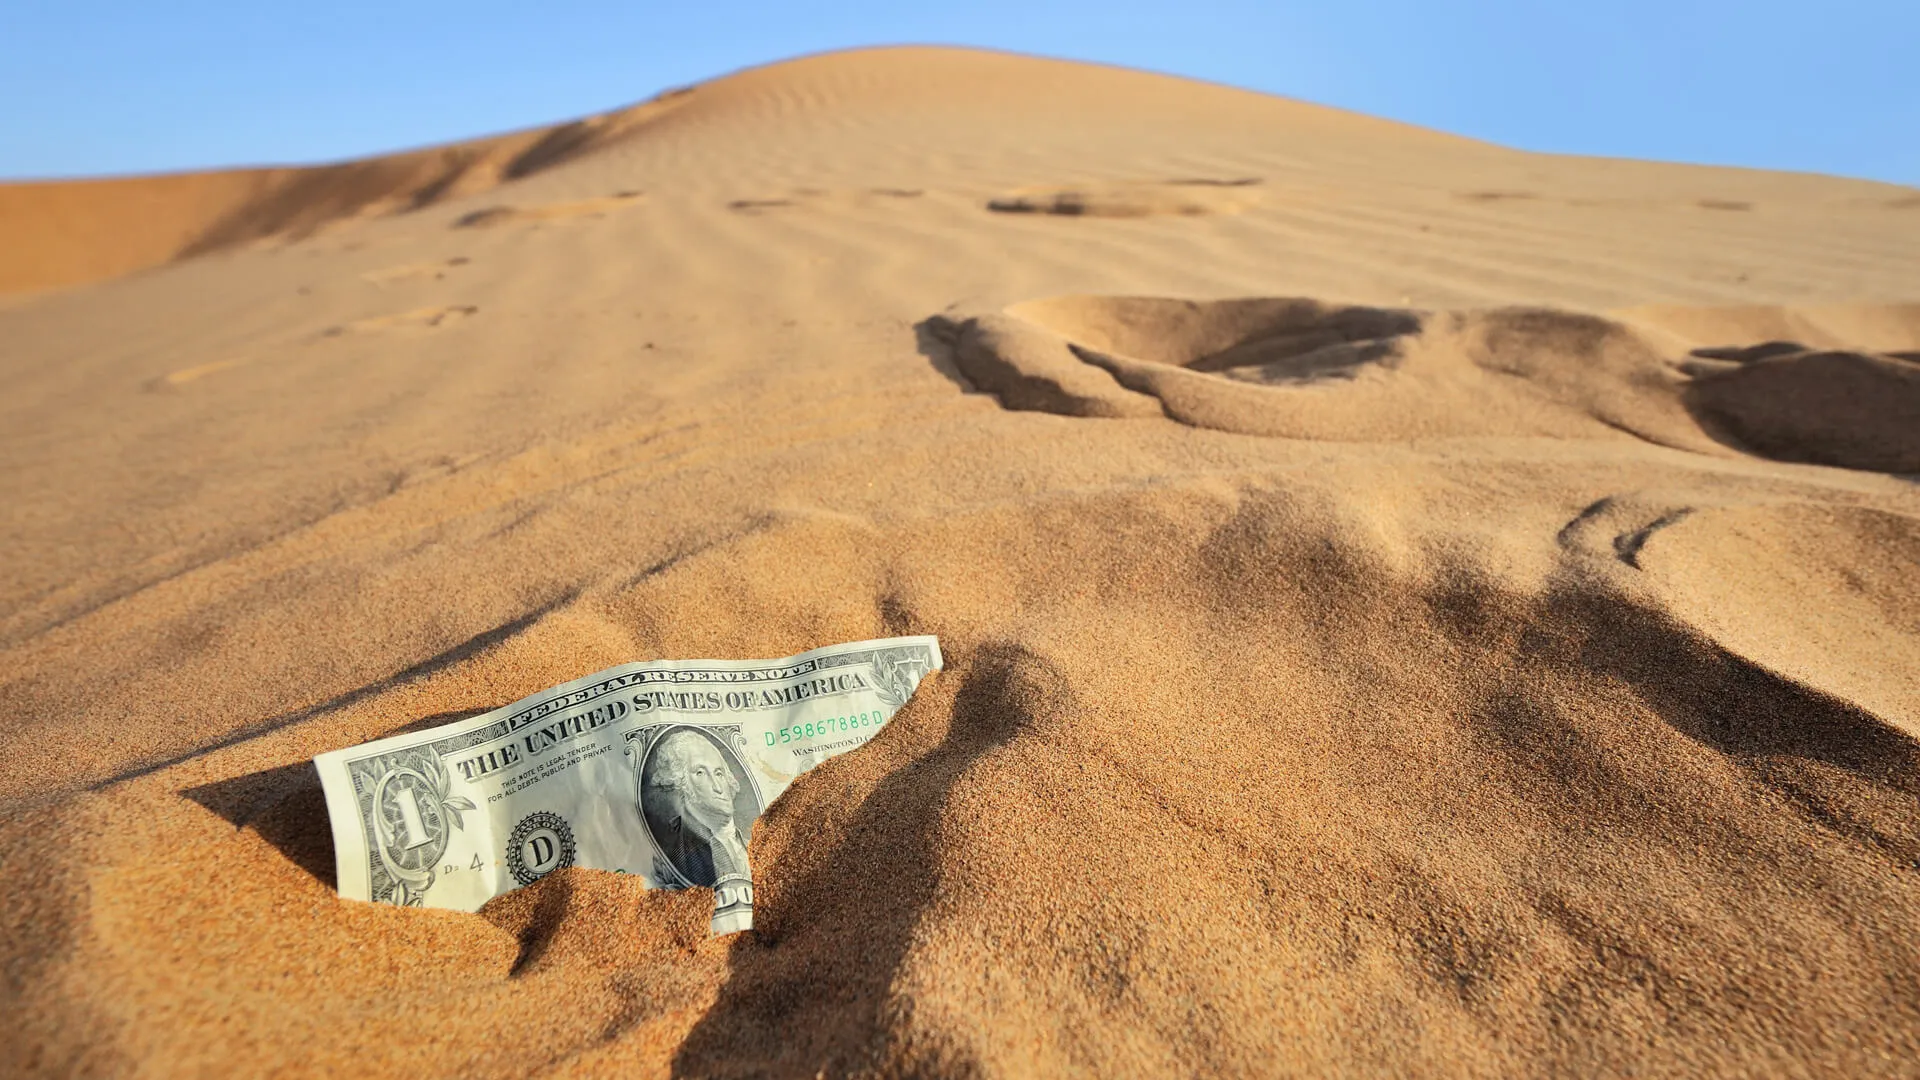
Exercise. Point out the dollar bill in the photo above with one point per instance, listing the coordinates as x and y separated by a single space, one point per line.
655 769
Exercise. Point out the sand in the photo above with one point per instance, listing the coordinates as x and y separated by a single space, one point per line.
1412 606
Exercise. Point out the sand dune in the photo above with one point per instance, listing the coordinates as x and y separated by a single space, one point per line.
1412 606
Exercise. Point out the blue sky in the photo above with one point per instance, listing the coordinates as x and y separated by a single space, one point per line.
100 87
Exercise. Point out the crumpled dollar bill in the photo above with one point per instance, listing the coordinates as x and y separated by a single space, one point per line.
657 769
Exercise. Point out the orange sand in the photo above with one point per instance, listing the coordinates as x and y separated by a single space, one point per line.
1412 607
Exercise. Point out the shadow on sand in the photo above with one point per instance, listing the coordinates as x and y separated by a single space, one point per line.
807 991
286 806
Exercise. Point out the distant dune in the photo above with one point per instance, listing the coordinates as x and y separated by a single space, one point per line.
72 232
1411 607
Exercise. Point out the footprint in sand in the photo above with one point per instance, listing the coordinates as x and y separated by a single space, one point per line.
198 371
434 270
1852 408
818 196
426 318
417 320
1212 364
1300 368
1180 198
489 217
1496 196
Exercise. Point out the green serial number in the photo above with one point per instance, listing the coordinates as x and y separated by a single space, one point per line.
832 725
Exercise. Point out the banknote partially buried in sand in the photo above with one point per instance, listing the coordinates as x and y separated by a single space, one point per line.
657 769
